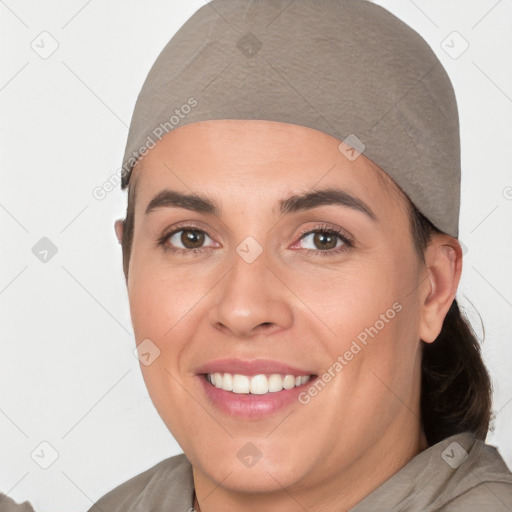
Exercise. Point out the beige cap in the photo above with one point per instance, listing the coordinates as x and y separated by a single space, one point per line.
348 68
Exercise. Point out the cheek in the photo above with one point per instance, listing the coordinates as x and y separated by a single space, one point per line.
161 304
161 298
373 318
362 293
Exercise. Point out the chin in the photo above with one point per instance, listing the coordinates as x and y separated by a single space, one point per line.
261 478
238 465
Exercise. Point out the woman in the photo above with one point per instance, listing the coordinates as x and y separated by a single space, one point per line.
291 256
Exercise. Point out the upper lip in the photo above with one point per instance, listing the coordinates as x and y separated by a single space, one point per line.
250 367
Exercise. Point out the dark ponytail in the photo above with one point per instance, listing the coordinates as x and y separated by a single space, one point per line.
455 385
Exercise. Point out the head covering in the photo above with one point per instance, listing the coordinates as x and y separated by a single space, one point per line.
348 68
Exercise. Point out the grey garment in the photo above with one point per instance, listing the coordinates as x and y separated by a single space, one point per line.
442 479
8 505
348 68
166 487
458 474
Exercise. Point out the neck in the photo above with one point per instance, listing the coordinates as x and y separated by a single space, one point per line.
340 492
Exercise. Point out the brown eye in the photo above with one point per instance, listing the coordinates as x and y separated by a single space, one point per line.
324 240
185 240
191 238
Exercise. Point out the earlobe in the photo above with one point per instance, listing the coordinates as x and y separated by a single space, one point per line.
119 229
443 259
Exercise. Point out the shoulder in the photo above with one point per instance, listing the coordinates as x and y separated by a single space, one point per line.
458 474
8 505
484 482
489 496
166 485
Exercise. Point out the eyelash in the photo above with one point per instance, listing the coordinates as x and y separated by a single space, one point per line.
347 242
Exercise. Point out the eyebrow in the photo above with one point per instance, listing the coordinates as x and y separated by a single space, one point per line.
298 202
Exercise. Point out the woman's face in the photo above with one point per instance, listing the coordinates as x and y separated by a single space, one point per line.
268 296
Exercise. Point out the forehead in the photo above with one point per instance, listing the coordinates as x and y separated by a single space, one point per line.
257 158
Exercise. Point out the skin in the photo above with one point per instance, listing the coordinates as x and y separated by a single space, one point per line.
303 309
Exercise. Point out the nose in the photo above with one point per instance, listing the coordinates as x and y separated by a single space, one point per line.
251 300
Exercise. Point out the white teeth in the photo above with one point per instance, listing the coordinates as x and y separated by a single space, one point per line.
227 382
275 383
289 382
217 380
257 384
240 384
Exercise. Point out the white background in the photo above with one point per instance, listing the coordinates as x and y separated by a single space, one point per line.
68 374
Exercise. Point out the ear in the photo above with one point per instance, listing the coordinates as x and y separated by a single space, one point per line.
443 259
119 228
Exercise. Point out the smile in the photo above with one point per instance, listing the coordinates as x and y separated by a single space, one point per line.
260 384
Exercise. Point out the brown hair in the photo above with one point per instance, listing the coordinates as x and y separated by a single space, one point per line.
455 385
129 223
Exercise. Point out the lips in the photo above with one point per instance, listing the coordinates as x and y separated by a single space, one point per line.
251 367
254 388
